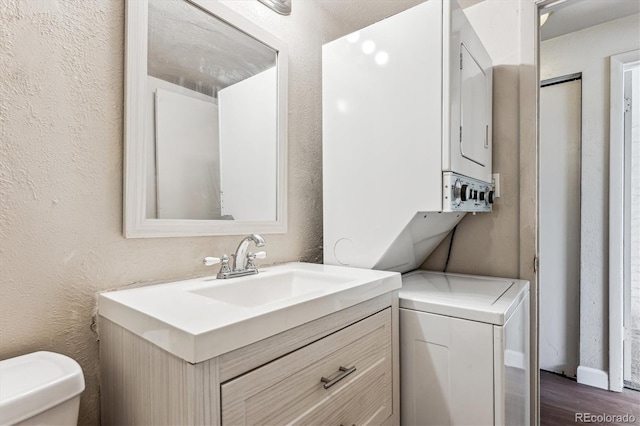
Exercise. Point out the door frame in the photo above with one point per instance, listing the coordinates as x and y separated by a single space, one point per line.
529 96
616 217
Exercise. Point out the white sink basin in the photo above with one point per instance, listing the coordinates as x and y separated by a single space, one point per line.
265 289
202 318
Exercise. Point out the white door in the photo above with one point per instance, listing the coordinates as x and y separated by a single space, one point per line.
559 274
187 162
474 117
471 101
249 148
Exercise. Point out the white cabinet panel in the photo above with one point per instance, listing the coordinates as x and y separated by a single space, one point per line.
382 133
512 401
446 363
391 101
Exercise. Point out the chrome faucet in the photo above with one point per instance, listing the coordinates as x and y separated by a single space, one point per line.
242 261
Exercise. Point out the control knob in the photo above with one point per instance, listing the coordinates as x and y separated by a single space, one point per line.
465 193
457 192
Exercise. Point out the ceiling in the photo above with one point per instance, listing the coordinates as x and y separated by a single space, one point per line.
576 15
193 49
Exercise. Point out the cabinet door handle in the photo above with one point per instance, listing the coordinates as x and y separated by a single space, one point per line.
344 372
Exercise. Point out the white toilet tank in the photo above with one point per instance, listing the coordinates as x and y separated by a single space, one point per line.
40 388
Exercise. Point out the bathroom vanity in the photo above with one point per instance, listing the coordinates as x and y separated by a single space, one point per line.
295 344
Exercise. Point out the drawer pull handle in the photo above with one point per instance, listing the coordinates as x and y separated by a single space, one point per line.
344 372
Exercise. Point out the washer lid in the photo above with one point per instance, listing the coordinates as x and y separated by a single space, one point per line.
483 299
33 383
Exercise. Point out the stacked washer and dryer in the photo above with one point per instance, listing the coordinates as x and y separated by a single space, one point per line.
407 146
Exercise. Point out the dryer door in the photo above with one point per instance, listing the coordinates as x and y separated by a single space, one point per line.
474 125
467 150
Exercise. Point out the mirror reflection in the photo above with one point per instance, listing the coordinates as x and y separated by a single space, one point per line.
211 119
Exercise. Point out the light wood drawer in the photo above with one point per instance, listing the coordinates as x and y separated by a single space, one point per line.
289 390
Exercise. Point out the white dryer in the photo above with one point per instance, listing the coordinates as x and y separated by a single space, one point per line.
464 350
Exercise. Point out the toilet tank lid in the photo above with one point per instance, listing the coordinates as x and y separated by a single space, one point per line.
36 382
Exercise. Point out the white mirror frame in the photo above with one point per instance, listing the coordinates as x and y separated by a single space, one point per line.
136 224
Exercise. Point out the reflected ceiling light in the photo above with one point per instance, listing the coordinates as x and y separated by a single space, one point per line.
283 7
382 58
543 18
353 37
368 47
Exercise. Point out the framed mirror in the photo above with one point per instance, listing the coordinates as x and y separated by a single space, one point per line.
205 122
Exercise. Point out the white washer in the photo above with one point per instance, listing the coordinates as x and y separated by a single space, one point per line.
464 350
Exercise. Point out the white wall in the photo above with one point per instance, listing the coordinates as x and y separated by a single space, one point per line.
587 51
248 147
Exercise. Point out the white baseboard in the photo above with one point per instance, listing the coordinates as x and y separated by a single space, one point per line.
593 377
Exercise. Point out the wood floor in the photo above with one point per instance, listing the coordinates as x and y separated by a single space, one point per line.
561 398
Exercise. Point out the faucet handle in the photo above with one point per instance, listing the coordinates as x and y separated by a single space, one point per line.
253 256
225 269
208 261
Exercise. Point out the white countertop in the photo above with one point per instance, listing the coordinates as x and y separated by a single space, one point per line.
181 318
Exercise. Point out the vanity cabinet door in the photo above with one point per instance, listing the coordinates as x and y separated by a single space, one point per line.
356 363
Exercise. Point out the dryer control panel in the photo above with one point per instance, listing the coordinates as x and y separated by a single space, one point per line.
464 194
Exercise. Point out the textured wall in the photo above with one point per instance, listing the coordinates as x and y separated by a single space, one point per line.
488 244
61 103
588 51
